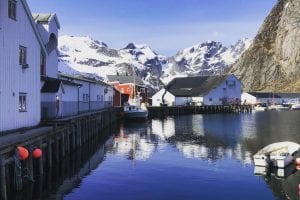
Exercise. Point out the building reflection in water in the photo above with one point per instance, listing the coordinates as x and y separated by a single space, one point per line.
208 137
134 141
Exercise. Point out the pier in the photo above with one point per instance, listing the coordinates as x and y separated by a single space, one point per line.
162 111
56 138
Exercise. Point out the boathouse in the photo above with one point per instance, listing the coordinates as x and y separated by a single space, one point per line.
59 98
200 90
20 60
270 98
126 84
92 94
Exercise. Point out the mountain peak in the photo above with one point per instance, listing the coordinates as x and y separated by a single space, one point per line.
130 46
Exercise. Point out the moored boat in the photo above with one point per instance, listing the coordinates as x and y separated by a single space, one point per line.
278 154
260 108
296 106
277 107
135 112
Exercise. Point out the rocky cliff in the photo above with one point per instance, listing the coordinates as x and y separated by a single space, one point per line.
272 63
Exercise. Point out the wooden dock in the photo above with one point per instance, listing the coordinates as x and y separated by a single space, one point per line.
162 111
57 138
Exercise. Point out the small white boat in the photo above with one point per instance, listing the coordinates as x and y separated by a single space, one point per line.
134 109
135 112
277 107
296 106
278 154
260 108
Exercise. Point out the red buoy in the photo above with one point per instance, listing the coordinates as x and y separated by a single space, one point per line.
37 153
23 153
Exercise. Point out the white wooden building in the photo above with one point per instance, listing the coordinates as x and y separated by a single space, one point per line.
59 98
93 94
20 52
200 90
270 98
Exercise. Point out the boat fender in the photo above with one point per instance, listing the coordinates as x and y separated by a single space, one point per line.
297 161
23 153
37 153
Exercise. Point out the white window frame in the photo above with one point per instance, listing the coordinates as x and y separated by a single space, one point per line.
23 56
22 102
12 9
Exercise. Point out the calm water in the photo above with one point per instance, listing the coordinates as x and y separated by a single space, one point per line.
186 157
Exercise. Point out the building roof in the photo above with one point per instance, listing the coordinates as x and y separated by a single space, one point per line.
83 78
194 86
274 95
125 79
52 85
45 18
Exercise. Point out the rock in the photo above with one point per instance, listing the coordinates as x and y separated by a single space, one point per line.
272 62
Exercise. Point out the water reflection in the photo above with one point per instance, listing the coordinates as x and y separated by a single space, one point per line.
176 156
208 137
134 141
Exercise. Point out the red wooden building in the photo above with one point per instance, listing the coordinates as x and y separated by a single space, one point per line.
126 85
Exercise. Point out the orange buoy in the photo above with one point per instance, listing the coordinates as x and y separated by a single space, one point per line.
37 153
23 153
297 167
297 161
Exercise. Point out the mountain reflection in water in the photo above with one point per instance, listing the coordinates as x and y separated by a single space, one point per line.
186 157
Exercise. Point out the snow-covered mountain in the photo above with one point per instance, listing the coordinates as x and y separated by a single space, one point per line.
204 59
83 55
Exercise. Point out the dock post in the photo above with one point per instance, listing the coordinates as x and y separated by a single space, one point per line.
30 163
56 150
2 179
41 167
62 144
49 145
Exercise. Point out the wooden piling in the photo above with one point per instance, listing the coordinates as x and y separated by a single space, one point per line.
2 179
49 152
40 161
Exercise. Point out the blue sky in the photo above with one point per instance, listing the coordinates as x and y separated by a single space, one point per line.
165 25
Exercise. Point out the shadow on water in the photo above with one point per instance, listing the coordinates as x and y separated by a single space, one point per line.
64 176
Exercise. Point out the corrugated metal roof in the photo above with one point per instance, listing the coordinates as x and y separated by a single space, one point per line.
194 86
52 85
45 18
42 18
125 79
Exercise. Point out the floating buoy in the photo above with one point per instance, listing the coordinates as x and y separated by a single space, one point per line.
297 167
37 153
23 153
297 161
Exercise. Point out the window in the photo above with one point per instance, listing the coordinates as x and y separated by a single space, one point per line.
98 97
22 56
85 98
22 102
210 99
142 90
43 63
231 83
101 99
12 9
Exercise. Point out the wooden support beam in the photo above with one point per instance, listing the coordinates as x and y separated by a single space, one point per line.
2 179
40 161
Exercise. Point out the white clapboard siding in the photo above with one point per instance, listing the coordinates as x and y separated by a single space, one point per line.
14 79
232 94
